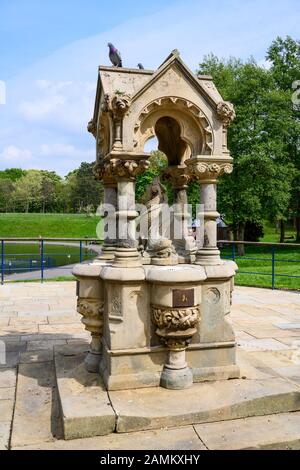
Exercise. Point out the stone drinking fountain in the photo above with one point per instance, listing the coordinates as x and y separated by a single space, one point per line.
157 314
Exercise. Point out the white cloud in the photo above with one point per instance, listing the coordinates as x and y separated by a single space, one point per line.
39 109
15 155
49 103
67 150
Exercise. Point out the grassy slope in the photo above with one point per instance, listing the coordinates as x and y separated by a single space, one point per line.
48 225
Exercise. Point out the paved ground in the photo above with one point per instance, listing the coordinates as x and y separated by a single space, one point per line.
34 317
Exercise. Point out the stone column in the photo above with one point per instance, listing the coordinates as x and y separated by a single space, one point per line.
183 242
109 216
206 170
125 171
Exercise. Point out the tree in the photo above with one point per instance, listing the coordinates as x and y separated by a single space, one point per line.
260 185
82 188
284 56
6 191
27 194
12 174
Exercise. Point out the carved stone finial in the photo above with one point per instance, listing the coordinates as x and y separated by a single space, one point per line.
226 112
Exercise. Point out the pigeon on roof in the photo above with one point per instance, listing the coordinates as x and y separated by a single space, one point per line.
114 55
140 66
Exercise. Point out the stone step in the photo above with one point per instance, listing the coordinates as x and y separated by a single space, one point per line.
272 432
86 410
89 410
203 403
36 416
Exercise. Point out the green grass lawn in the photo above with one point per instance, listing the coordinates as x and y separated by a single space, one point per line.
48 225
258 260
273 236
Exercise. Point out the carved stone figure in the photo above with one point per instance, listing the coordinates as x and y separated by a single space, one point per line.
154 241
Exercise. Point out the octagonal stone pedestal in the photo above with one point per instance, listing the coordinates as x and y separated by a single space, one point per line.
158 325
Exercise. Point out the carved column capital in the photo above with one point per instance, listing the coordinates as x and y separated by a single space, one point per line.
126 169
102 172
178 176
208 170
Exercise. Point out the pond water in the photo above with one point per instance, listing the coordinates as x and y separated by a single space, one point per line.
22 257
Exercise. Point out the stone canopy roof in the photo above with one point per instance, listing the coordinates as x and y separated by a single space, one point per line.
134 81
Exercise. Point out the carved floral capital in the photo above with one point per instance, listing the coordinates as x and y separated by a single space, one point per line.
208 170
126 168
178 176
102 172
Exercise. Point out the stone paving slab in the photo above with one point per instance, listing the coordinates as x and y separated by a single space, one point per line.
85 406
6 410
184 438
256 314
46 344
40 355
276 432
261 345
288 326
4 435
7 393
8 378
207 402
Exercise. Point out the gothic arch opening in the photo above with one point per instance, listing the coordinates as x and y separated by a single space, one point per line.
168 133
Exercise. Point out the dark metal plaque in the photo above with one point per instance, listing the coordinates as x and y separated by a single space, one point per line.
183 298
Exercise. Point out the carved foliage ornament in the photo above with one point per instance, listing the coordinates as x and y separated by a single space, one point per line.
177 176
92 312
90 307
175 319
126 168
226 112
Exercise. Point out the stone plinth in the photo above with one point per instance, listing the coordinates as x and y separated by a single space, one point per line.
160 325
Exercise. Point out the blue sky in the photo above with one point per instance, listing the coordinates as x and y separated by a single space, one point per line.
50 51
